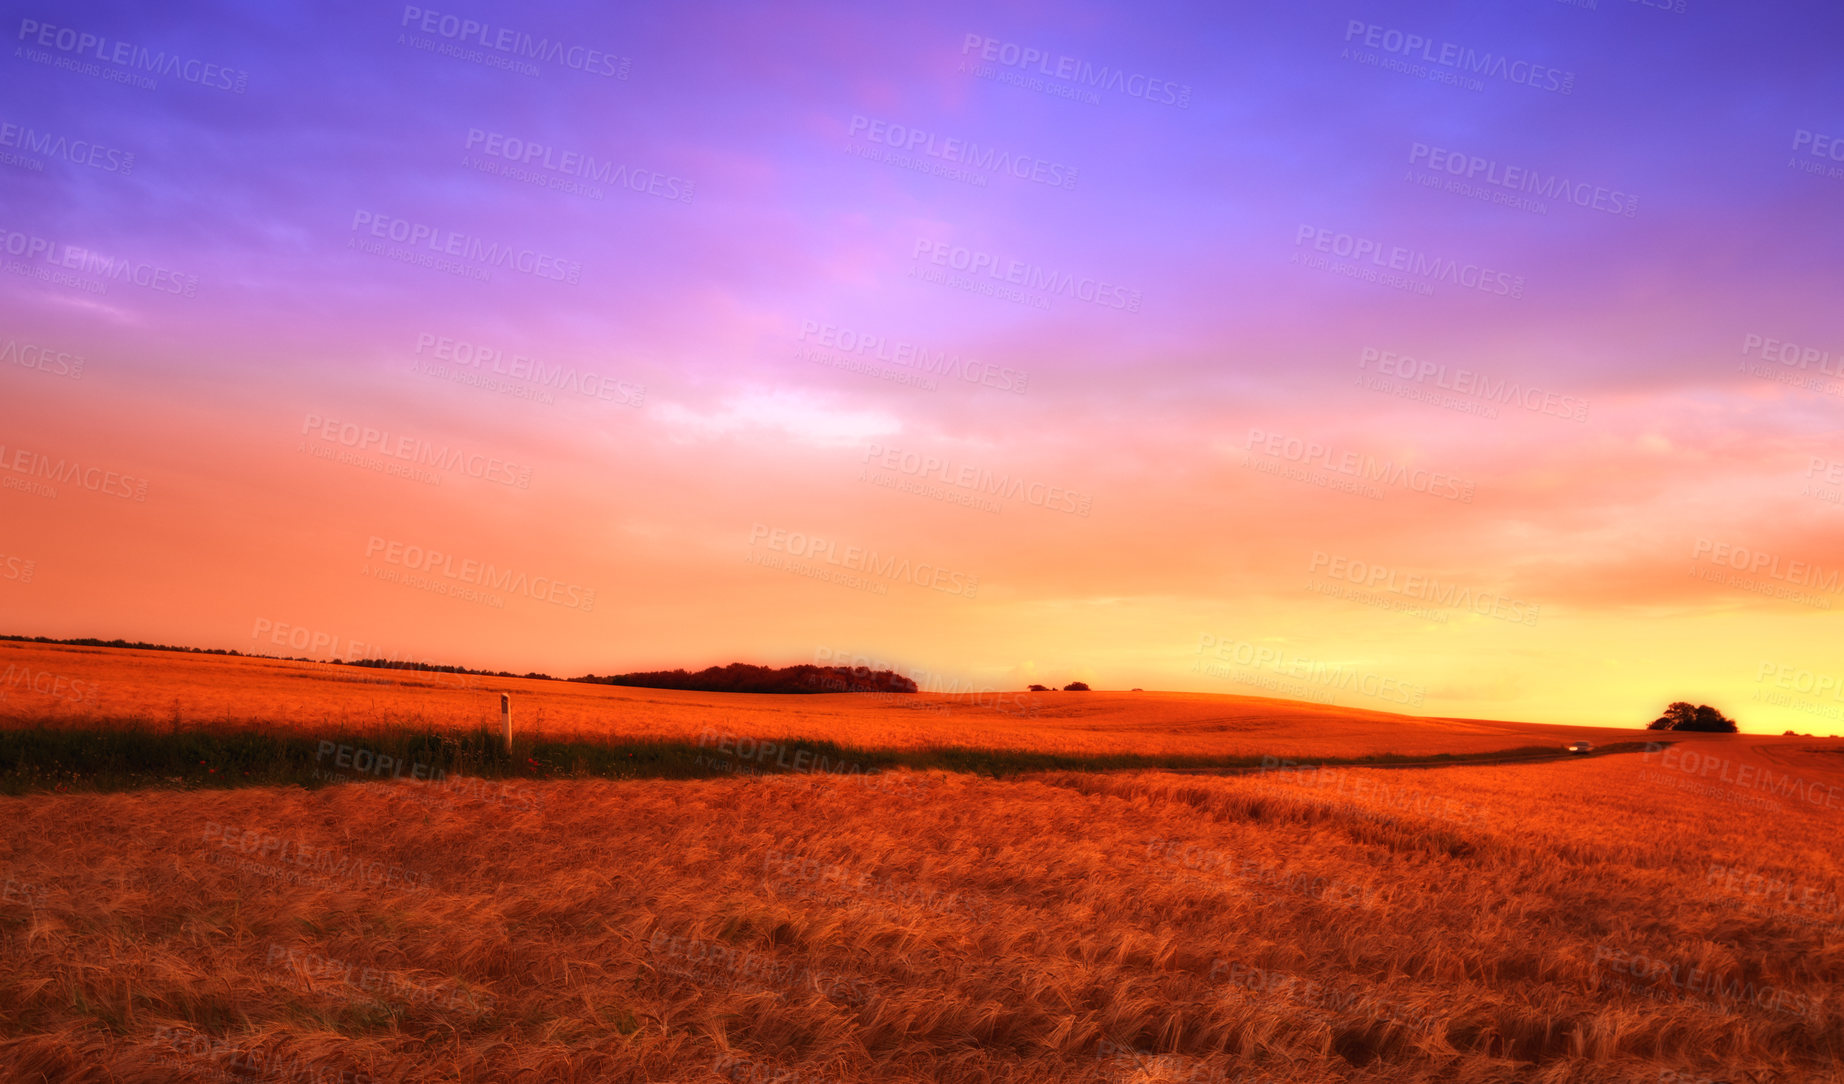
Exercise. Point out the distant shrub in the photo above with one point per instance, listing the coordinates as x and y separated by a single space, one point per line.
741 677
1076 687
429 667
1041 689
1682 715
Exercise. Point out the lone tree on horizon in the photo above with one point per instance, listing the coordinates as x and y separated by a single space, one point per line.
1682 715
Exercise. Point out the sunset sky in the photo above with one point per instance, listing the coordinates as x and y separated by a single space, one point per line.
1477 359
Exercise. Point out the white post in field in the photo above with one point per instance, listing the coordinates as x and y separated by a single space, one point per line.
505 717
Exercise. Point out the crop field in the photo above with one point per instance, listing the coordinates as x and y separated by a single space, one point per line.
984 543
170 688
1666 916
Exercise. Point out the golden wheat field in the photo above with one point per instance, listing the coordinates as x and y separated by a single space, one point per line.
1575 921
196 689
1667 916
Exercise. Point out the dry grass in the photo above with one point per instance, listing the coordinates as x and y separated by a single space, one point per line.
1646 918
214 689
1575 921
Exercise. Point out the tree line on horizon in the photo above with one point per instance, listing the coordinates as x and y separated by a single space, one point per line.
1683 715
737 677
742 677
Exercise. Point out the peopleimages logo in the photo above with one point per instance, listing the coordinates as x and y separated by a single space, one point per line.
577 165
46 683
1486 171
318 644
54 145
1423 588
122 54
73 472
1311 453
1702 764
515 43
43 358
975 262
1409 261
1460 58
1473 384
1792 355
916 356
1315 673
481 574
1819 145
416 450
963 152
1808 682
855 559
978 480
491 360
1069 69
463 246
62 255
1772 565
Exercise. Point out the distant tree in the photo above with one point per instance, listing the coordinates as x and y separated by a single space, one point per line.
1076 687
1711 721
1137 689
1701 718
741 677
1041 689
1789 734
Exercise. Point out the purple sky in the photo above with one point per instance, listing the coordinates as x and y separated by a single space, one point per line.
1172 277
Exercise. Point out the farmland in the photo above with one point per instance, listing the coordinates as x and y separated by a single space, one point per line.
195 690
1670 915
